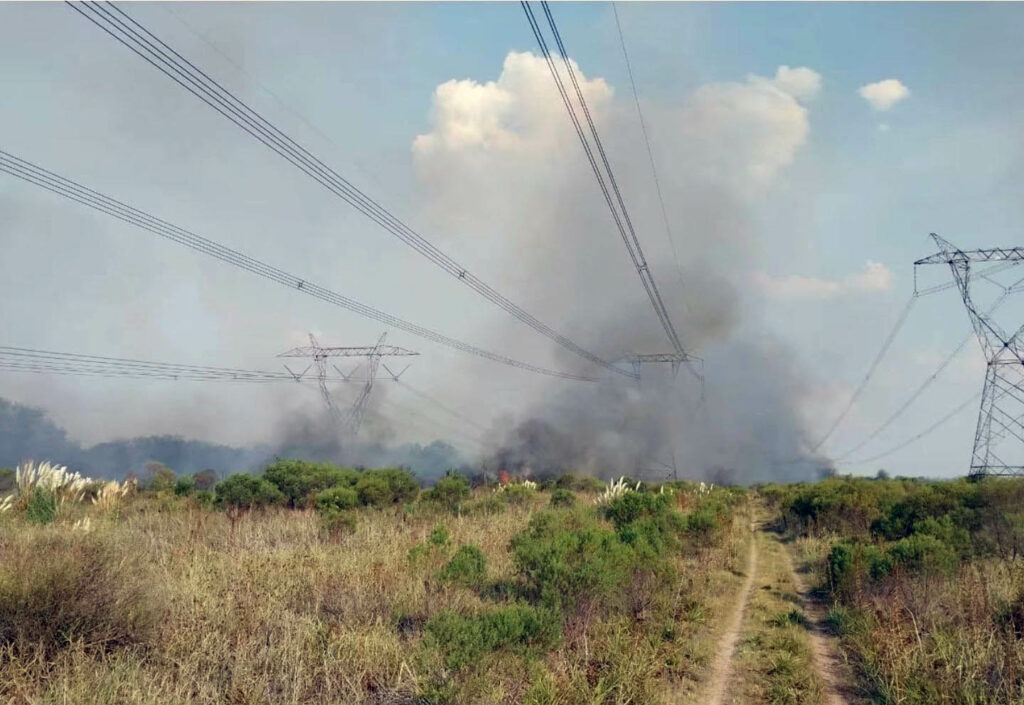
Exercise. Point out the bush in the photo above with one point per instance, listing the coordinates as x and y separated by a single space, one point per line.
299 480
467 567
382 488
184 486
59 587
563 498
338 521
336 499
205 498
438 537
632 505
449 492
920 553
702 526
515 495
464 640
565 561
159 477
244 491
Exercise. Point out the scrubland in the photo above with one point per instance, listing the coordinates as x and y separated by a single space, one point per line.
924 581
314 584
310 583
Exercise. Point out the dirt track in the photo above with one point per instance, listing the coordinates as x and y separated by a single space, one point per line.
834 673
719 681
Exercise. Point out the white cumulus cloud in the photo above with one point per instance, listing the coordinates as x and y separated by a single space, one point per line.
801 82
873 278
745 133
884 94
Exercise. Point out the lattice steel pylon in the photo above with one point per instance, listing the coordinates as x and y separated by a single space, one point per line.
352 419
999 437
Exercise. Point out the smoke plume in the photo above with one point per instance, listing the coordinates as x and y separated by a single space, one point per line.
502 165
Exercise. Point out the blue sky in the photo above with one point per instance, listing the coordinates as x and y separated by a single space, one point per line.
356 83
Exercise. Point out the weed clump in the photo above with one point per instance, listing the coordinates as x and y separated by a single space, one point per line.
563 498
449 492
518 628
61 588
467 567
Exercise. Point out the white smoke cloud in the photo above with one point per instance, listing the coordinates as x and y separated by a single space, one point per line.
884 94
501 170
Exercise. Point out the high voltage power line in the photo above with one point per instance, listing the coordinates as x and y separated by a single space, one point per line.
15 166
605 177
49 361
886 344
32 360
155 51
918 436
650 151
916 394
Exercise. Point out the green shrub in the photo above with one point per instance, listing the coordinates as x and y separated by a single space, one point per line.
336 499
300 480
567 560
515 495
920 553
703 526
242 491
518 628
438 537
382 488
467 567
159 477
338 521
62 587
184 486
449 492
633 505
205 498
563 498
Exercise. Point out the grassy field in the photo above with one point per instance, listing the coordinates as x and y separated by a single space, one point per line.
316 584
521 595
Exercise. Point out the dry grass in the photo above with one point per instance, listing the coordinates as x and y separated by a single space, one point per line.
275 612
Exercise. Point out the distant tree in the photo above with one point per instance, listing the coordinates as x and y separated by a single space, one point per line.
205 479
881 475
241 492
184 486
159 477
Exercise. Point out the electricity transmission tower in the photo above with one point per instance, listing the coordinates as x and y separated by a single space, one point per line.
999 438
674 359
353 418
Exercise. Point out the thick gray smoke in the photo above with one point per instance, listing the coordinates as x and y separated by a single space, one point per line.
502 157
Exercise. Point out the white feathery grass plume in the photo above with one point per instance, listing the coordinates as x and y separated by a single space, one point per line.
6 503
615 488
110 495
65 486
83 525
525 483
